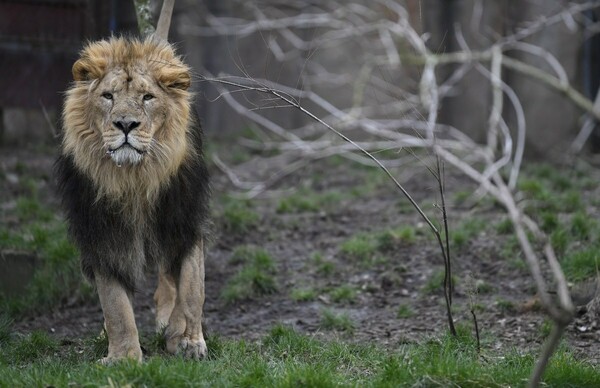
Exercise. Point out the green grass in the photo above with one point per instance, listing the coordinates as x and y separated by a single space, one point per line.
461 196
391 239
30 208
553 199
483 287
308 201
303 294
571 201
581 264
361 248
505 226
323 266
331 320
57 275
550 191
560 240
545 328
505 306
368 249
5 329
255 278
465 231
343 294
238 216
435 282
549 222
34 346
533 188
285 358
555 203
582 226
405 311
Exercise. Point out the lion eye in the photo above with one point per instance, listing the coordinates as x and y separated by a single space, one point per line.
148 97
108 96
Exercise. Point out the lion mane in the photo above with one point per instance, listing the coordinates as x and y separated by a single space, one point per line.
142 203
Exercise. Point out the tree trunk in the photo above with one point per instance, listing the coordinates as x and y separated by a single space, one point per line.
143 10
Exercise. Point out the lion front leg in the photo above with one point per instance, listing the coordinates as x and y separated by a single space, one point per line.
119 321
184 331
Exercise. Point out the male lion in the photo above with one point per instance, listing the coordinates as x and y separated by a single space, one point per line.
135 188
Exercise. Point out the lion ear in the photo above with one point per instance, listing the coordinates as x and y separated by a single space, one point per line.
86 70
179 79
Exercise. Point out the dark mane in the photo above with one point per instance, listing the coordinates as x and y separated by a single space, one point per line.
104 234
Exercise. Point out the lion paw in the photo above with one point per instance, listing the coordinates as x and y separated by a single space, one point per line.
194 350
106 361
111 360
189 348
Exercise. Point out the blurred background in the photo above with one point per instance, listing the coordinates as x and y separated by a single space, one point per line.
39 41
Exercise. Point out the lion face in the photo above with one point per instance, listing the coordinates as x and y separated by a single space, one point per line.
126 118
131 108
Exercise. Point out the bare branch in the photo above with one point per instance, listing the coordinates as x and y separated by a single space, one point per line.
404 113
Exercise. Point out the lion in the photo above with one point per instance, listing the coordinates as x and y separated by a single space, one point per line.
135 188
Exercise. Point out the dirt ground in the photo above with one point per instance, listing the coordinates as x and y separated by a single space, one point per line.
292 239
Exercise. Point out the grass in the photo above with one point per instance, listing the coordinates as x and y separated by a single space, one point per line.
545 328
255 278
361 248
30 208
371 248
285 358
581 264
549 222
308 201
550 191
390 239
466 230
303 294
552 196
435 282
483 287
323 267
37 344
505 306
461 196
5 329
582 226
57 275
238 216
560 240
331 320
405 311
505 226
343 294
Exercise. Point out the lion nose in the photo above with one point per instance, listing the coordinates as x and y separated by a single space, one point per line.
126 125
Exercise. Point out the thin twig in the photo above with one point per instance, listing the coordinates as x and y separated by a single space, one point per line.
448 286
476 330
